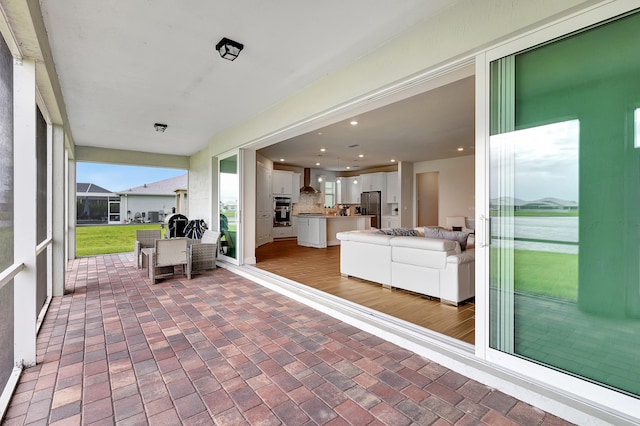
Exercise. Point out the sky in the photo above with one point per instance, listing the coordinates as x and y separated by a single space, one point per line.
540 161
116 178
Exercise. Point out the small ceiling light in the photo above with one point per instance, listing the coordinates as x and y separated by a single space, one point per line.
354 122
355 181
348 167
160 127
361 155
282 159
317 164
229 49
320 179
393 160
323 149
461 149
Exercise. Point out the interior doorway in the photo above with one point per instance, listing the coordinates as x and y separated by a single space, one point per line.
427 198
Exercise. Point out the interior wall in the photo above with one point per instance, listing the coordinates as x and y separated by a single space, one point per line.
457 185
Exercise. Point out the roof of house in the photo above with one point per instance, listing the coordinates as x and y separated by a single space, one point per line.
92 190
517 202
162 187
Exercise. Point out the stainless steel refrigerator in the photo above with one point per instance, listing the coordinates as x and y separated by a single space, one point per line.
370 204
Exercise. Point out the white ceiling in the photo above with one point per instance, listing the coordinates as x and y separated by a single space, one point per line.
124 65
429 126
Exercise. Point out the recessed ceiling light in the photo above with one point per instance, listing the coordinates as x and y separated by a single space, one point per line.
348 167
361 155
317 164
354 122
320 133
282 159
461 149
393 160
323 149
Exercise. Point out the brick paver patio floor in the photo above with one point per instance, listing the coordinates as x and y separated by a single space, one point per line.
220 349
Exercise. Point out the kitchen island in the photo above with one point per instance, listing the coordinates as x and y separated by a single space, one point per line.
319 231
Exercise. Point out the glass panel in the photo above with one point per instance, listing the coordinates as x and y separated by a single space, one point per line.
41 179
41 207
636 121
6 210
229 196
565 233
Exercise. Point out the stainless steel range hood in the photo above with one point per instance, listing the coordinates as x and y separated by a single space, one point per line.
307 188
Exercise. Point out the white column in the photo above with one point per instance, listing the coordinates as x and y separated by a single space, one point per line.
49 250
59 210
71 216
24 110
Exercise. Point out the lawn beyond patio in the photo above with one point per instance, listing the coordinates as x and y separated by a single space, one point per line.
94 240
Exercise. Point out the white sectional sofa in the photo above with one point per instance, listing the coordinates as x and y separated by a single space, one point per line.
428 266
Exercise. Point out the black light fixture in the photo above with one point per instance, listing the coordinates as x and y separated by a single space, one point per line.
229 49
160 127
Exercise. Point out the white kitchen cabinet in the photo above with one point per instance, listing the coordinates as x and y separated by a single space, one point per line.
312 232
282 182
341 191
390 222
393 190
373 182
355 188
282 232
295 188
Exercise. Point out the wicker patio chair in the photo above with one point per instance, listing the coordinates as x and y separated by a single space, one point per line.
202 256
168 254
145 238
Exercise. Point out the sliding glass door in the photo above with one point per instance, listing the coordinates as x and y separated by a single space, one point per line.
229 207
564 197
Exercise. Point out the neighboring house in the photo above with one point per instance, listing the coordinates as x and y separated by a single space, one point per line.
92 203
152 202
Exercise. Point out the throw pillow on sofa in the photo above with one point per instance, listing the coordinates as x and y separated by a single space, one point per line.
443 234
399 232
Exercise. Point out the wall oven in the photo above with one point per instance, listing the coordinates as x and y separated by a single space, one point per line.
282 211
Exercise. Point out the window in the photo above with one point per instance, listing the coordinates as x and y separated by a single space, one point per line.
565 233
6 210
329 193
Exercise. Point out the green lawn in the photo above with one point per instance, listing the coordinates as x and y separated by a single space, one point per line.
105 239
545 273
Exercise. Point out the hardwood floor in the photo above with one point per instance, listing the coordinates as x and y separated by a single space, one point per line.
320 269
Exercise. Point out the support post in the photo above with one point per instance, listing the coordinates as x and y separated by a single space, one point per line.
25 211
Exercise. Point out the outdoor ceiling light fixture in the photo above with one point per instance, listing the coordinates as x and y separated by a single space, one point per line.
229 49
160 127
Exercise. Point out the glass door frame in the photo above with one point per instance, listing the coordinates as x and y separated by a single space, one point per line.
544 376
237 260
